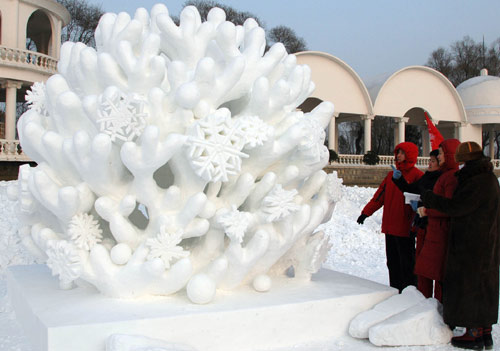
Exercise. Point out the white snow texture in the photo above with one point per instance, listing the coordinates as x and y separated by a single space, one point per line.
195 125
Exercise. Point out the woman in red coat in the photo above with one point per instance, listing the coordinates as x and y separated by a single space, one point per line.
396 218
429 262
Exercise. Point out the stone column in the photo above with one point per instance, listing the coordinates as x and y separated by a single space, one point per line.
461 126
367 132
332 133
400 130
11 87
492 142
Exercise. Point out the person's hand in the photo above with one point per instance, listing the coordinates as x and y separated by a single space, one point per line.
421 211
396 173
414 205
361 218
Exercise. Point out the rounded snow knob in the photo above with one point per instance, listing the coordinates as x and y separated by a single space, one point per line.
262 283
201 289
187 96
120 253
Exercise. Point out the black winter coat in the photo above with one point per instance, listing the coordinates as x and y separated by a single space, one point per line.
470 286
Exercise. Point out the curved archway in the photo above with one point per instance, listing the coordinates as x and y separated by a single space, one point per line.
424 87
38 32
337 82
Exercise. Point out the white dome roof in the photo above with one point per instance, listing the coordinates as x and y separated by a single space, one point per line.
481 98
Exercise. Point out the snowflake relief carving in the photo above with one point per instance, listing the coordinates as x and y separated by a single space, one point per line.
255 130
121 116
35 98
235 223
84 231
64 260
279 203
215 147
166 246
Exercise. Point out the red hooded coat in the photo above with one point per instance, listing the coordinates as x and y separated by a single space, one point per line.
397 216
429 261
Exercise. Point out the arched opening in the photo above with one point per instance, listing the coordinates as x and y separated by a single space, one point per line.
38 32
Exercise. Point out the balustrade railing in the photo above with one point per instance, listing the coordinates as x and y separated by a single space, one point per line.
10 150
385 161
28 59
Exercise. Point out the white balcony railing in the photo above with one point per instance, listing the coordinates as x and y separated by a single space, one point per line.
10 150
28 59
385 161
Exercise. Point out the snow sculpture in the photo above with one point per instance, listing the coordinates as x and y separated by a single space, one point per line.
174 156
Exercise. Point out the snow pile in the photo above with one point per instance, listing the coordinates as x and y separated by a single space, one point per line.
361 324
405 319
421 324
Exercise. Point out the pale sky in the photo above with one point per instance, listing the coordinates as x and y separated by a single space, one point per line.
374 37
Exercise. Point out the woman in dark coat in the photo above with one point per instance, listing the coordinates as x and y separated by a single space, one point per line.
471 282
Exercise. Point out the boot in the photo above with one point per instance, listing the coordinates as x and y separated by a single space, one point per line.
487 338
472 339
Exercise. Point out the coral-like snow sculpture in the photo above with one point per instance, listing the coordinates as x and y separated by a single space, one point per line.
174 156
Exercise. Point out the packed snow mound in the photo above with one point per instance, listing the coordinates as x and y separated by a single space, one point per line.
361 324
174 156
421 324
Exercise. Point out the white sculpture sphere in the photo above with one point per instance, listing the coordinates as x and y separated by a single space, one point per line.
120 253
262 283
201 289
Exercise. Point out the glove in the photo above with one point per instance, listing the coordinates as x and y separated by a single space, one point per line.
396 174
361 218
414 205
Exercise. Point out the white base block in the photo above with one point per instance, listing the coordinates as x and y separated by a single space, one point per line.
291 313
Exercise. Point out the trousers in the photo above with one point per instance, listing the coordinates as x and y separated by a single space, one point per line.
400 254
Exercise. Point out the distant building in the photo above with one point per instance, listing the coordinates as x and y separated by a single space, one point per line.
36 24
461 113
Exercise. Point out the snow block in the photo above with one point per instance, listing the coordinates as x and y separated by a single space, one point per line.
294 312
360 325
421 324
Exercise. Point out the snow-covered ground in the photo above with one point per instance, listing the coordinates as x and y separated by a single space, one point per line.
357 250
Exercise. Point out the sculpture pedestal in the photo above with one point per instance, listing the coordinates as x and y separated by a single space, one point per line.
292 313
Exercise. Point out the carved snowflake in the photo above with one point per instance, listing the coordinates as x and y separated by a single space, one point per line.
235 223
84 231
64 260
255 130
314 138
334 187
165 246
35 98
279 203
215 147
121 115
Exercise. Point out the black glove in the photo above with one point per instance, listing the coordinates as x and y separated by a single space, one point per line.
361 218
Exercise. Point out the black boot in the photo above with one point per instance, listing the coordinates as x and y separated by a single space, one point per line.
487 338
472 339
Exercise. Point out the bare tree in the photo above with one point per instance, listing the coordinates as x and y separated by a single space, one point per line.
465 58
281 34
441 61
84 20
287 36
